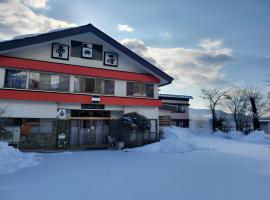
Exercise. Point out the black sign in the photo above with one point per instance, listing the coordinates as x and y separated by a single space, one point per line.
111 59
60 51
93 106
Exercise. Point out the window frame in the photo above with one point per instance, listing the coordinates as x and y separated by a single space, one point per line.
146 84
15 69
95 86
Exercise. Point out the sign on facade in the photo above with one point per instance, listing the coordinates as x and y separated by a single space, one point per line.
61 113
60 51
87 51
111 59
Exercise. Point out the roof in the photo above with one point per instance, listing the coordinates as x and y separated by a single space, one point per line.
45 37
173 96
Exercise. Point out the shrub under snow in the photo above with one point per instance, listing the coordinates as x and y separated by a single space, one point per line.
176 140
12 159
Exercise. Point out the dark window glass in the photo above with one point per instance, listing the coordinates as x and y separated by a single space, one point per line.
150 90
97 51
90 85
143 90
100 86
15 78
64 83
136 89
109 87
76 48
130 89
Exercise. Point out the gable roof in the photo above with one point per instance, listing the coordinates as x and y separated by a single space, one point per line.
45 37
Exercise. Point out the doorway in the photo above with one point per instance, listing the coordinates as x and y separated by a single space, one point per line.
88 132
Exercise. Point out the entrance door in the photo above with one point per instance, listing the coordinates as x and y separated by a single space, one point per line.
87 132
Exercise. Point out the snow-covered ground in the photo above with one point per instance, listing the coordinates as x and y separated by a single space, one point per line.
12 159
217 168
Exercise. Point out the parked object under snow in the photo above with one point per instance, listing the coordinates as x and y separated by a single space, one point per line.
12 159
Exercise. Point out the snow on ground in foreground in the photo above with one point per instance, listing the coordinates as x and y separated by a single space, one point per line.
176 140
231 170
254 137
12 159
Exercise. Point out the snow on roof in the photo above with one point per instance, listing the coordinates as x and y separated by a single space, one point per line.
176 96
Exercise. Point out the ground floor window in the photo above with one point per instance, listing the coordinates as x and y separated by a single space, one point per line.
37 126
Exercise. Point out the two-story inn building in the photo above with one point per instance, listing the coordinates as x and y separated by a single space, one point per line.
74 81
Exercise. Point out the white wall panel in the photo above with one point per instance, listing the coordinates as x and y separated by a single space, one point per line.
2 77
29 109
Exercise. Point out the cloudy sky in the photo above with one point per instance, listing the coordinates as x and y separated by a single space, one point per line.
202 44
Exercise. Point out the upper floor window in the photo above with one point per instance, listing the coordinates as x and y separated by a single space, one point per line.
77 49
15 78
140 89
46 81
94 85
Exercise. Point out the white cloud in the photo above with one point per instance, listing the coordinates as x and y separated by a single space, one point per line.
36 3
124 27
18 17
198 67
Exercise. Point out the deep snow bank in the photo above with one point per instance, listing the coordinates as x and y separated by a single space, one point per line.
176 140
12 159
259 137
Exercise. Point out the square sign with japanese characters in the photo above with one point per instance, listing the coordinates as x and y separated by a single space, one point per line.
60 51
87 52
111 59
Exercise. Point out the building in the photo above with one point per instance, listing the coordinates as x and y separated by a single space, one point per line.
174 110
73 82
265 124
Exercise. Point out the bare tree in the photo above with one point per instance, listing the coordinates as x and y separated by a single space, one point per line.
237 104
260 100
214 98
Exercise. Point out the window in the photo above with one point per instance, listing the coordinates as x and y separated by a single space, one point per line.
76 50
109 87
92 85
45 81
15 78
64 83
182 108
140 89
130 88
36 126
150 90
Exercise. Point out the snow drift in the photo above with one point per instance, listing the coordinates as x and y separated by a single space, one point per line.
12 159
176 140
259 137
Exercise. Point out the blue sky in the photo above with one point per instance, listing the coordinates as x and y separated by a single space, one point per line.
209 43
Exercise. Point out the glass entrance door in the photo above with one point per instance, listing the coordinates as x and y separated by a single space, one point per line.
87 132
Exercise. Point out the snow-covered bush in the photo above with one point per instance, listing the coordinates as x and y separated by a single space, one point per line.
12 159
